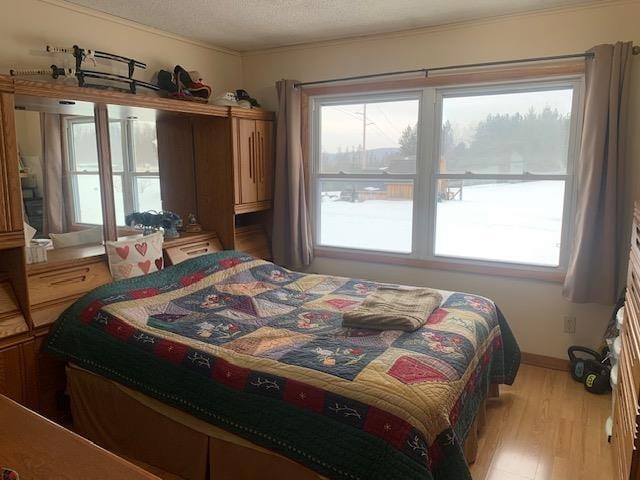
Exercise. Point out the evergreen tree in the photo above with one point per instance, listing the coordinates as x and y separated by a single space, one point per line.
409 141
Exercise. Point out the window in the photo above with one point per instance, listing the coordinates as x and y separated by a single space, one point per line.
83 171
134 163
367 172
466 174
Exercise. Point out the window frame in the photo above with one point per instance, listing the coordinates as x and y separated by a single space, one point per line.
71 166
427 175
317 176
128 176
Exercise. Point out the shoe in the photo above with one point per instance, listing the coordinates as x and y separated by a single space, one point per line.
165 81
183 79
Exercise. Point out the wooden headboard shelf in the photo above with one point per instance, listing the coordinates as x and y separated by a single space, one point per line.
214 161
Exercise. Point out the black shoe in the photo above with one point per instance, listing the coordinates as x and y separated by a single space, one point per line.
183 79
165 81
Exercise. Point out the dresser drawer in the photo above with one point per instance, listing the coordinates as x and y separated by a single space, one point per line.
194 249
70 282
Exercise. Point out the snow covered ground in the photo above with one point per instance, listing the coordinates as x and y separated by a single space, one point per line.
508 222
372 224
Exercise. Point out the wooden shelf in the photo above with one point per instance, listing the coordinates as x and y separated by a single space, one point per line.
37 88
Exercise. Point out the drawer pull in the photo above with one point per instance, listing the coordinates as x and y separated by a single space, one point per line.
54 275
196 247
66 281
200 251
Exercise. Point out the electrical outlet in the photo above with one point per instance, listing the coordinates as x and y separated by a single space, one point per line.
569 324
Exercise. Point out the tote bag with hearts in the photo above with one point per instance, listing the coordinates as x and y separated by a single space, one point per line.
135 257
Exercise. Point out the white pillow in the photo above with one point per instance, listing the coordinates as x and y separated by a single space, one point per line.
135 257
80 237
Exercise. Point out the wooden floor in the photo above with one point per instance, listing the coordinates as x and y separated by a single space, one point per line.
544 427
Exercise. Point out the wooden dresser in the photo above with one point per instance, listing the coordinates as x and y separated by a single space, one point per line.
626 406
36 448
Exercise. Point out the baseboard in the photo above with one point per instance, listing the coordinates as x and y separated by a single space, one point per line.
545 362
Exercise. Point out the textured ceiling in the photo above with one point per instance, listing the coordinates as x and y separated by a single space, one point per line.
254 24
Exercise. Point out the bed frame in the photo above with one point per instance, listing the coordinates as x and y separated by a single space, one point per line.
173 444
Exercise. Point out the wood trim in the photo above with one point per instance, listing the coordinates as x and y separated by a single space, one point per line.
28 357
10 192
13 262
68 92
189 237
8 342
61 91
69 257
252 207
6 84
11 239
106 173
499 271
477 77
251 113
544 361
213 176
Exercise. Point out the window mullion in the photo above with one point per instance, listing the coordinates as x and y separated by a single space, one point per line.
424 204
127 181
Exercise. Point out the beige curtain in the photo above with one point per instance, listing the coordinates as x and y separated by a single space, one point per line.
600 243
53 173
292 238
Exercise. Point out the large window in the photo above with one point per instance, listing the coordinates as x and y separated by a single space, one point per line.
134 162
482 174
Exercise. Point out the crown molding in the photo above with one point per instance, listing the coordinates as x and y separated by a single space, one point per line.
496 19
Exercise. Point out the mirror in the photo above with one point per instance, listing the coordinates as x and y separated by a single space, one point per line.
134 163
59 174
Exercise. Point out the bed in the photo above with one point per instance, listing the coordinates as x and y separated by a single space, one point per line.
259 352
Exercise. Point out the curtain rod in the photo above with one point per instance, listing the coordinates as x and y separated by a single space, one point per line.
427 71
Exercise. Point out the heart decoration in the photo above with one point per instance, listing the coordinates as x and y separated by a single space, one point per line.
123 252
125 269
144 266
141 248
159 262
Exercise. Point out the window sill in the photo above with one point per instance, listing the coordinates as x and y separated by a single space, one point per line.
479 269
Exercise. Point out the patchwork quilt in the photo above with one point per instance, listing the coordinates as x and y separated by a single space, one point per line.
260 351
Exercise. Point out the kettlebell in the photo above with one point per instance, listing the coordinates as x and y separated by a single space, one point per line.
580 366
598 382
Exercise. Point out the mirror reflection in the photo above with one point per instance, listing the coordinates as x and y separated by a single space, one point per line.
134 162
59 174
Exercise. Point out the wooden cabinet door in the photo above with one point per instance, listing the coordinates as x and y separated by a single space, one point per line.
12 374
264 159
245 161
10 193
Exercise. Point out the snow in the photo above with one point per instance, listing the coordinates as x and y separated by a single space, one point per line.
90 206
509 222
371 225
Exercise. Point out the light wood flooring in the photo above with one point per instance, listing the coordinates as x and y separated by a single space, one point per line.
544 427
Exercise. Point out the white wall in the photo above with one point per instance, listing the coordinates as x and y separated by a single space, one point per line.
27 26
533 308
